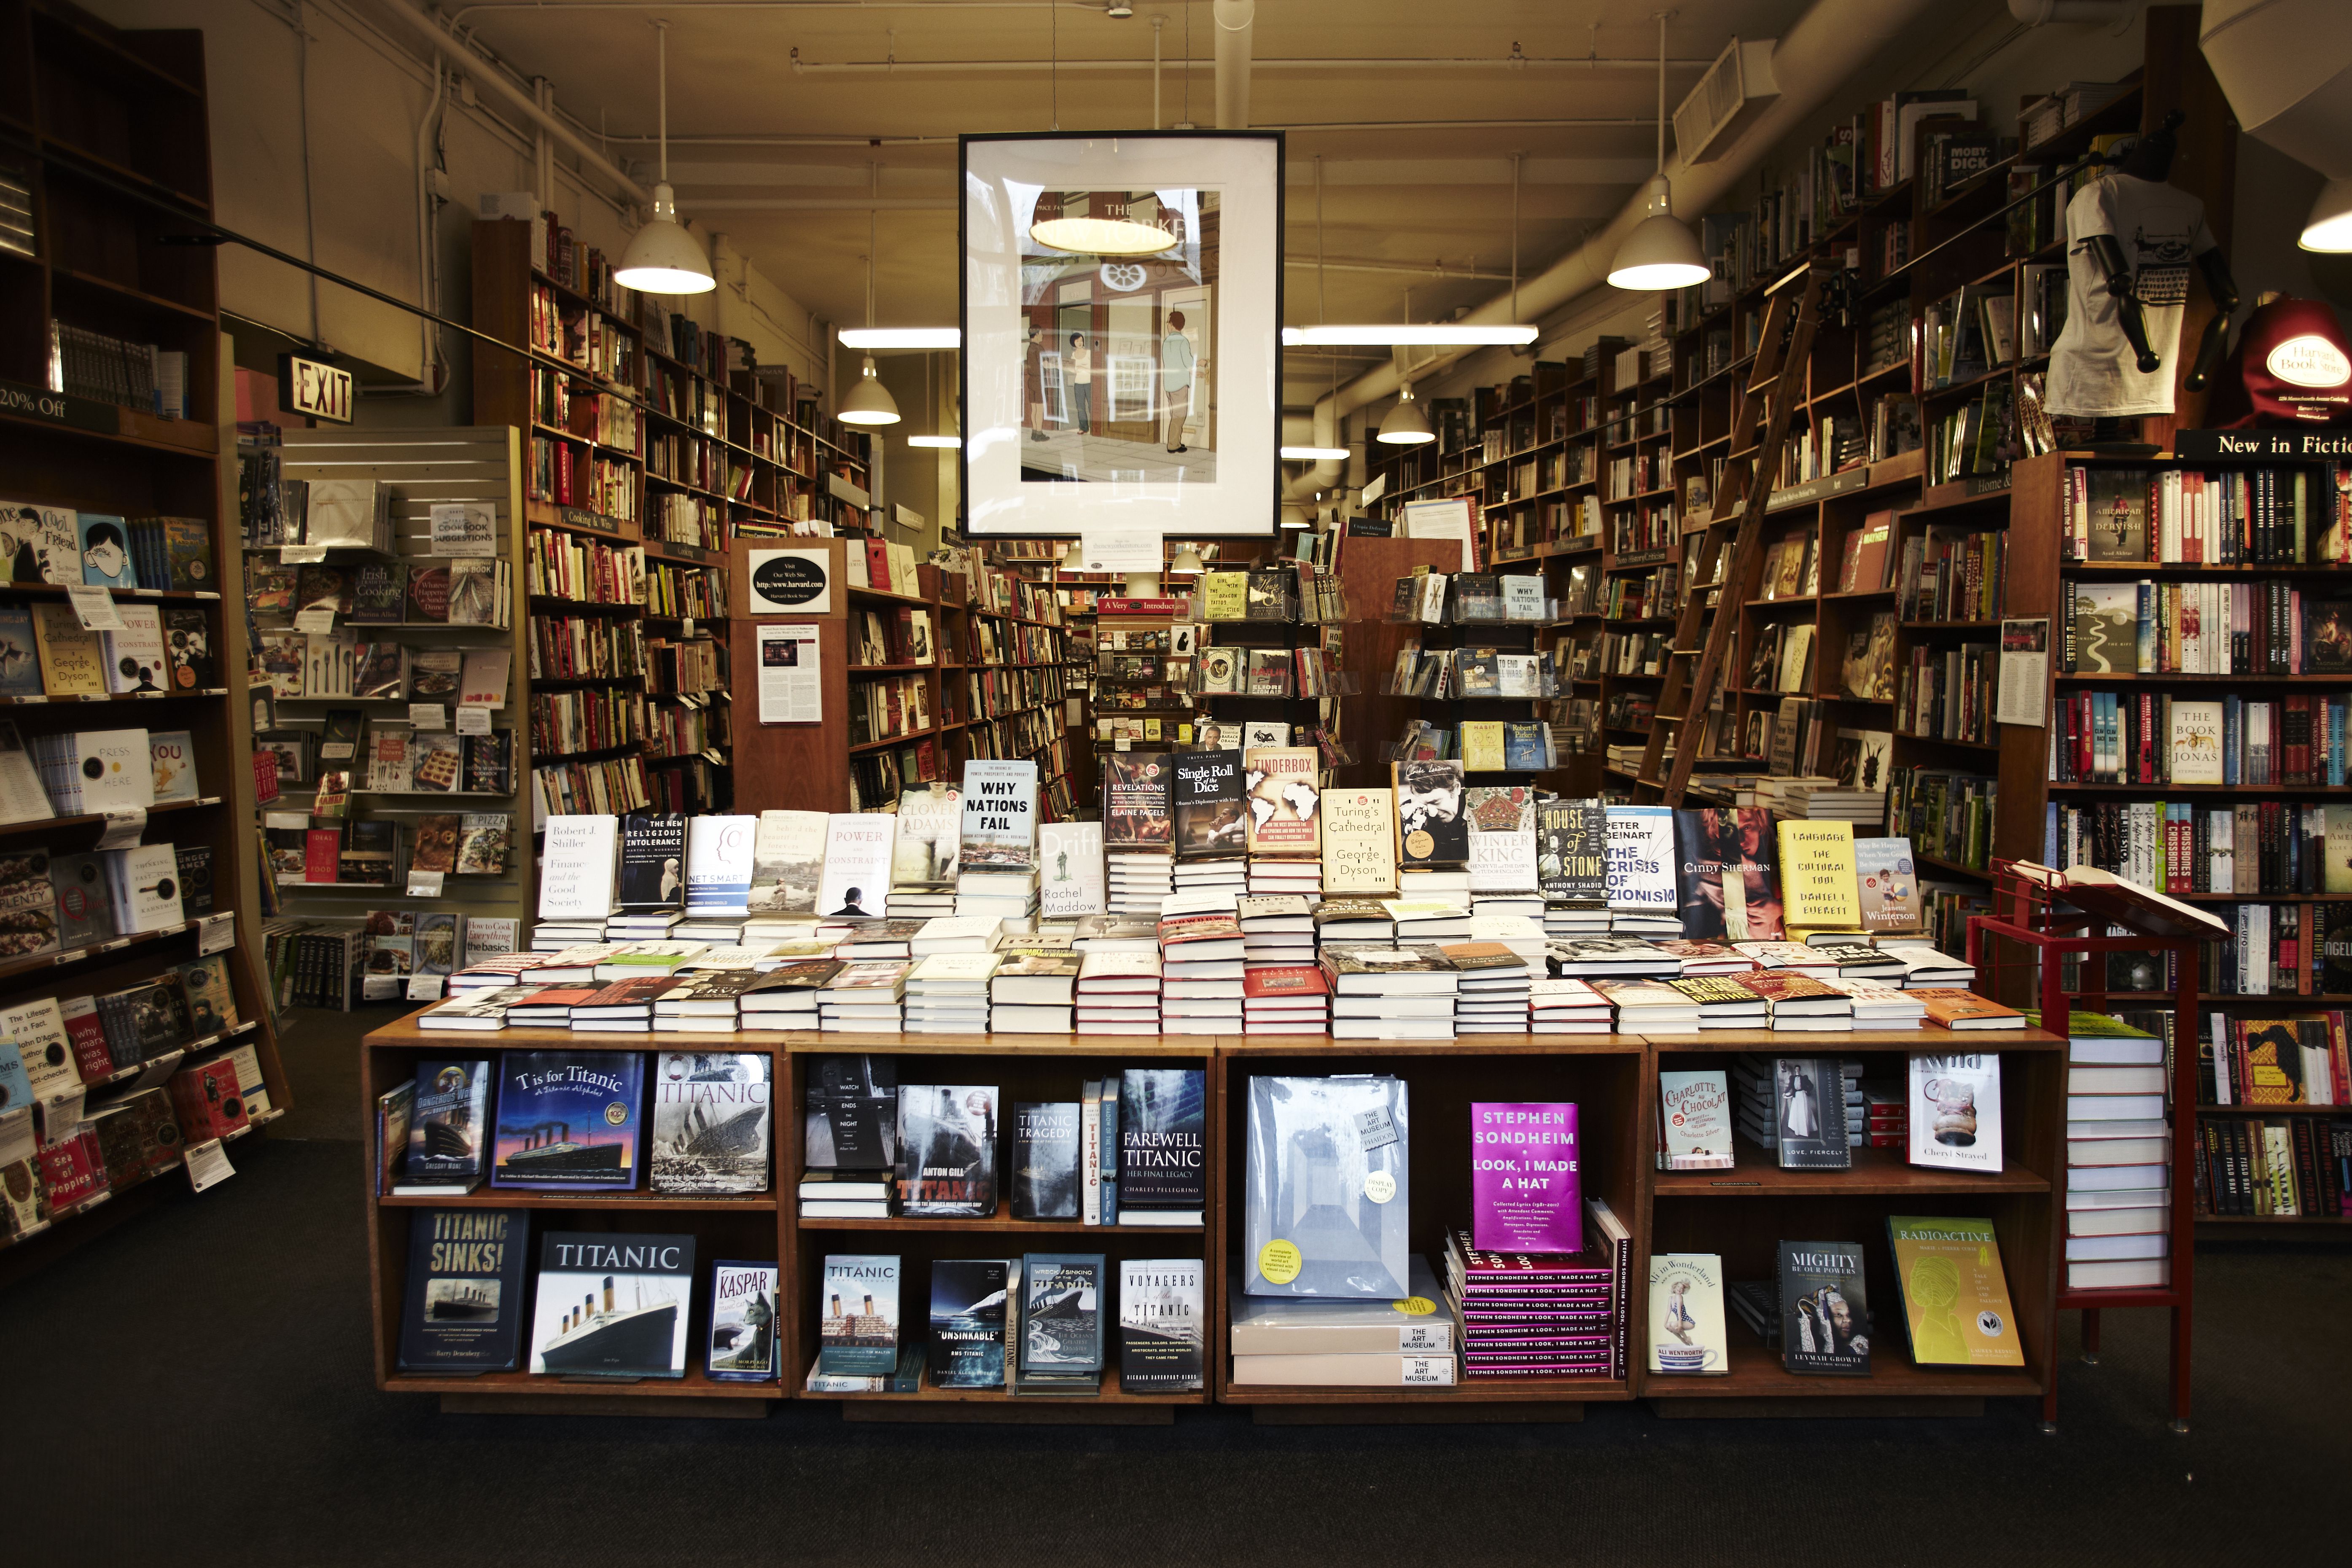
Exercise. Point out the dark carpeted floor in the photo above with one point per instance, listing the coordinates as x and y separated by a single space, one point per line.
194 1386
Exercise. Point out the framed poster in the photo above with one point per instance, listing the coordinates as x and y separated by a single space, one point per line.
1121 315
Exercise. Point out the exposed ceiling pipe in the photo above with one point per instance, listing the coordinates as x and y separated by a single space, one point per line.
1235 20
1818 54
2035 13
481 73
825 204
1383 67
786 139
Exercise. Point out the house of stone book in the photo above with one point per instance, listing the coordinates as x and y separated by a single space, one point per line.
857 1324
946 1150
1433 820
447 1127
1205 801
1134 802
855 881
1045 1160
1279 786
1061 1323
612 1304
1809 1109
1573 852
744 1336
1693 1121
1359 850
653 861
1162 1147
787 862
576 865
1686 1327
568 1120
465 1299
1162 1336
1887 880
1070 879
1817 877
1525 1184
1640 848
967 1323
1327 1194
1954 1111
1000 815
1824 1315
711 1127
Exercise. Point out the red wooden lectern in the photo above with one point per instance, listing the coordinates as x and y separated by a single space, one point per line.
2041 917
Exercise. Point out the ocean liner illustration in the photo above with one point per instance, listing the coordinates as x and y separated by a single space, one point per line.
548 1149
461 1301
608 1339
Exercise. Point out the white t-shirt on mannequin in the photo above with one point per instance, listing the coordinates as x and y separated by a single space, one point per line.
2093 370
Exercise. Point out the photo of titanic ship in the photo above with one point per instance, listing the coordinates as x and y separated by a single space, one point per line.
461 1301
595 1334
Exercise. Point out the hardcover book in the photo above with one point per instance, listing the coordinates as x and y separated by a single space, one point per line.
1136 806
1206 802
946 1150
1161 1334
1573 852
968 1322
743 1339
1524 1187
1817 875
1327 1194
1686 1327
1728 875
464 1302
858 849
1433 819
787 862
1694 1120
1045 1160
612 1304
858 1332
1360 848
711 1127
1887 881
1070 876
1279 786
1955 1112
568 1120
1502 839
1824 1315
575 879
931 826
718 864
1955 1296
1642 860
851 1118
448 1124
1000 815
1809 1103
1061 1322
653 861
1162 1147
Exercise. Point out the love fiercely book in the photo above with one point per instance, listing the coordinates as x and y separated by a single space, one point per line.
1524 1183
1809 1102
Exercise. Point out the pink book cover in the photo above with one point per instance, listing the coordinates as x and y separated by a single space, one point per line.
1524 1171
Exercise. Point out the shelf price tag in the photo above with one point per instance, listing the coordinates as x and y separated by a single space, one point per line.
473 720
425 884
215 934
301 555
207 1164
424 987
428 716
95 609
123 826
318 621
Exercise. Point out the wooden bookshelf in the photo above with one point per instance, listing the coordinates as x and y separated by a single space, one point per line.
109 129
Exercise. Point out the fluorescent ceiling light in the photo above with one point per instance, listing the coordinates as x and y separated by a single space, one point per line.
901 337
2329 226
1314 454
942 441
1441 334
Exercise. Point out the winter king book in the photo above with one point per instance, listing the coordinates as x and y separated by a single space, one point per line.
712 1128
946 1150
612 1304
1525 1181
464 1305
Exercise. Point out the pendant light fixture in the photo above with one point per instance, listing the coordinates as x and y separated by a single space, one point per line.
1662 252
662 257
869 402
1405 425
1103 223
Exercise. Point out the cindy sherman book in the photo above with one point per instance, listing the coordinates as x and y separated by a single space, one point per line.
1694 1120
1955 1112
1525 1184
1955 1297
1135 805
712 1128
1809 1103
946 1150
743 1339
968 1322
1045 1160
1360 848
1163 1146
612 1304
1000 815
1206 802
1824 1315
447 1126
1686 1326
1160 1333
857 1326
568 1120
1727 874
1280 789
1061 1322
464 1302
653 862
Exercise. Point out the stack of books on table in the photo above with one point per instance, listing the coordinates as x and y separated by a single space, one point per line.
703 1002
493 973
1612 957
2118 1155
1119 990
1201 965
947 993
1821 798
1438 920
954 933
864 997
1353 920
710 927
642 959
1008 895
1274 875
863 941
1701 957
1390 993
1533 1314
1924 965
1807 1109
845 1194
1491 988
790 996
1796 1003
624 1006
1523 934
1139 880
1878 1005
1575 920
1886 1115
1567 1007
547 1007
1116 933
1724 1003
1276 928
1791 957
921 902
1650 1007
1034 991
777 928
641 925
1285 999
554 936
1345 1343
1227 874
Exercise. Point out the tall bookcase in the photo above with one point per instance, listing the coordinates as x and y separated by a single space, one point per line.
109 131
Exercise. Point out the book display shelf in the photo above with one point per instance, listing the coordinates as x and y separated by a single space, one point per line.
108 131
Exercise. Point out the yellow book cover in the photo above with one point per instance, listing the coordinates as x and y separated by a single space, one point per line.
1482 747
1224 596
72 663
1955 1297
1817 875
1359 851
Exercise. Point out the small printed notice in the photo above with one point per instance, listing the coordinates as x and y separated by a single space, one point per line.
215 934
207 1164
473 720
2024 695
123 826
318 621
465 528
379 987
95 606
301 555
791 688
428 716
424 987
1120 550
425 884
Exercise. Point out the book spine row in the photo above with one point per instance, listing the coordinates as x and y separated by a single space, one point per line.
2257 517
2116 738
566 647
2275 1168
588 571
608 788
2264 846
586 721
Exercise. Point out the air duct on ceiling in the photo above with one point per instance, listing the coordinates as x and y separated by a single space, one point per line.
1235 20
1738 88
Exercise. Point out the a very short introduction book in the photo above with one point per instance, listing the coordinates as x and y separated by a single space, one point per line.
1526 1195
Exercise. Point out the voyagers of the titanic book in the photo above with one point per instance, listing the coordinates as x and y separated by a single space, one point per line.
710 1132
1160 1332
1824 1320
612 1304
1061 1323
857 1328
1327 1206
1163 1149
567 1120
1045 1160
852 1119
446 1126
742 1322
946 1150
465 1290
967 1343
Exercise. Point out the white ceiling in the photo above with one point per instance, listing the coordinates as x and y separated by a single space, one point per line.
1436 196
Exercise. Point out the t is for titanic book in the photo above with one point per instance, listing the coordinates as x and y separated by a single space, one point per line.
569 1120
464 1305
857 1326
711 1130
1045 1160
968 1307
612 1304
946 1150
1524 1176
1160 1325
1824 1317
742 1322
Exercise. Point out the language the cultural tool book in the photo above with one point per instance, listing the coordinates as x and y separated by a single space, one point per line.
1693 1121
858 1321
743 1328
711 1129
1686 1326
612 1304
1817 877
1824 1315
1955 1112
464 1302
567 1120
1526 1182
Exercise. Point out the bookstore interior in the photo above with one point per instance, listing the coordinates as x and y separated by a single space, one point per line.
1823 540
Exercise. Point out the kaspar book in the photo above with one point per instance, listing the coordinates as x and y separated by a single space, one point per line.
742 1322
946 1150
1686 1329
1045 1160
1955 1297
1160 1325
612 1304
1824 1317
1525 1181
1955 1112
1162 1147
857 1326
464 1302
567 1120
711 1129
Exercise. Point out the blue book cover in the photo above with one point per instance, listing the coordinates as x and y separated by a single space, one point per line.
16 1084
106 560
569 1120
1163 1157
20 655
1524 749
465 1295
968 1306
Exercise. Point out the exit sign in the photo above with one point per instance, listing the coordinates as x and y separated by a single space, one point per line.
313 390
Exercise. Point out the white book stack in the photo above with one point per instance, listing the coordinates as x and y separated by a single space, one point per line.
947 993
1117 934
864 998
1756 1108
1353 920
1395 994
1139 881
1878 1005
1276 928
1560 920
1035 994
1229 875
918 903
641 925
696 1005
1628 922
1450 887
1924 966
1201 981
2118 1162
780 928
646 960
1277 876
1430 920
554 936
956 933
1567 1007
1523 905
1118 992
1010 896
1523 934
1492 993
710 927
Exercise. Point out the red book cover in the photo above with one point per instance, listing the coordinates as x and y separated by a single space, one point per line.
428 594
1504 1270
878 567
73 1169
1284 980
1180 929
88 1038
638 993
206 1099
264 778
322 850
